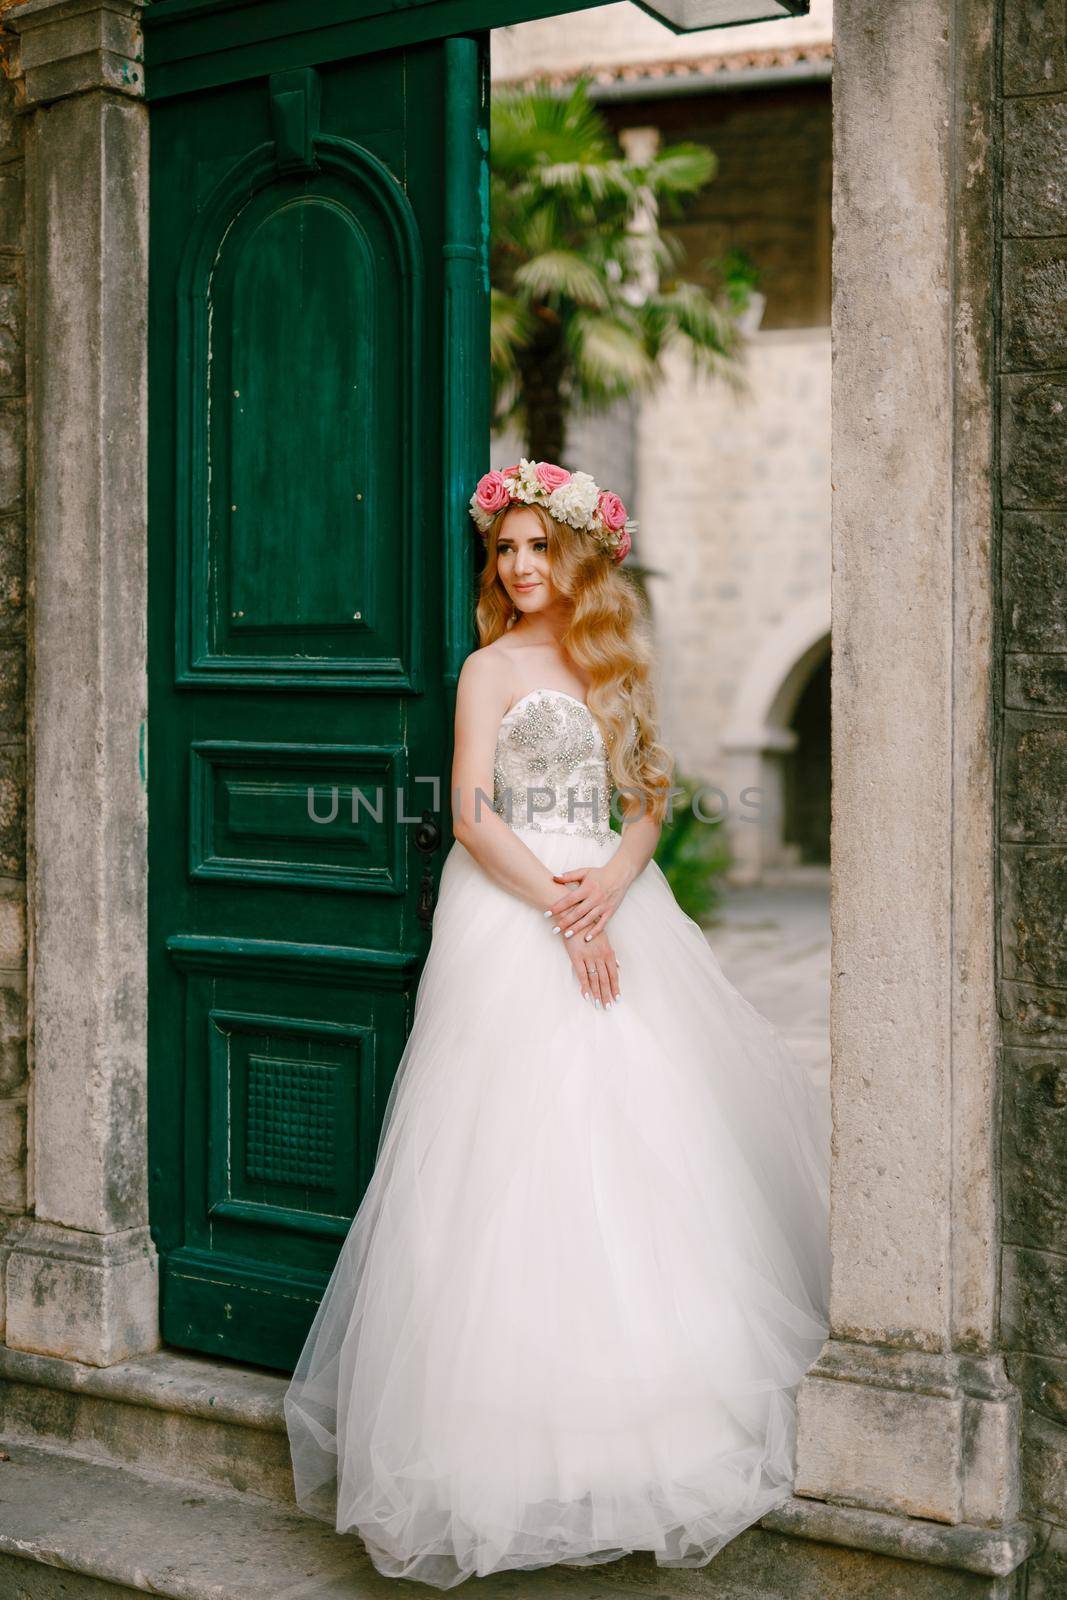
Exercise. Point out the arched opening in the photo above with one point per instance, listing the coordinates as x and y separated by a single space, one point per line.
777 746
806 772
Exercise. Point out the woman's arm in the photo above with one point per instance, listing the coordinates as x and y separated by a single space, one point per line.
597 892
481 701
636 849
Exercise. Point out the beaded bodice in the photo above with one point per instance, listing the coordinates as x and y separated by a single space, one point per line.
551 770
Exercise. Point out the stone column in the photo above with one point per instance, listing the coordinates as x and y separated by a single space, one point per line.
81 1277
908 1410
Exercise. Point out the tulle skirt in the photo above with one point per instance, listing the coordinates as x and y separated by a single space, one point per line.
591 1266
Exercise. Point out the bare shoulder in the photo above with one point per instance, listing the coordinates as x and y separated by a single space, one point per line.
484 685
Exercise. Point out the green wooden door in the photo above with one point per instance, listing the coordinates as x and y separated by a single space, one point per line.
318 321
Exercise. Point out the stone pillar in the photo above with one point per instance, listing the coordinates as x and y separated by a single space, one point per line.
81 1276
908 1410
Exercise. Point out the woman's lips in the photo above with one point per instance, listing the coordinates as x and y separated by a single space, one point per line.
524 588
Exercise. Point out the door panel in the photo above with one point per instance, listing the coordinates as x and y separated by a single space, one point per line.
308 256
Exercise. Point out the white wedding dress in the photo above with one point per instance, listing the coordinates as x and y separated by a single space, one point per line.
592 1263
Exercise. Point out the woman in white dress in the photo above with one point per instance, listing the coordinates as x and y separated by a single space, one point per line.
592 1263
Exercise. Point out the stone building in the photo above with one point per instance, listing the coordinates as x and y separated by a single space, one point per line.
732 489
142 1428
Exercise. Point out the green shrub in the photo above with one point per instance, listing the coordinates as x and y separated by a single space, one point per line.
692 854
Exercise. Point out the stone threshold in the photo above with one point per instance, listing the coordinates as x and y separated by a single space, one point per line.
167 1380
199 1441
990 1552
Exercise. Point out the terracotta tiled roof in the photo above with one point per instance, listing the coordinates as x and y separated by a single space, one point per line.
652 72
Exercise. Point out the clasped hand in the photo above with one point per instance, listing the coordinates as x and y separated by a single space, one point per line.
580 917
586 908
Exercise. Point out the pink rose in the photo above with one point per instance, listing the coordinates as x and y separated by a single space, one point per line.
492 493
612 511
622 549
550 477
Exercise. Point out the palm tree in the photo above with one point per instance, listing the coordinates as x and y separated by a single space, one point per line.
584 297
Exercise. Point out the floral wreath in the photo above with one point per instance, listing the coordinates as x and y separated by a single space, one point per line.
570 497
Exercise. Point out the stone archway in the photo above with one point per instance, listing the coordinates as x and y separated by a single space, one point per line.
758 735
908 1423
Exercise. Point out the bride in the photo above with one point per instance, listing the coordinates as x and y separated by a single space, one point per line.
592 1263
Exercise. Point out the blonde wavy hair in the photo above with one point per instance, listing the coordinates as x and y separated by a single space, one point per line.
609 636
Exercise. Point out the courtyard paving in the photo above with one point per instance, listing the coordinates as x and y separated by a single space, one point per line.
773 943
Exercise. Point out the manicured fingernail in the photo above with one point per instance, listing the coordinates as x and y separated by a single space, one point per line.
555 930
588 937
607 1005
585 994
598 1005
546 913
569 933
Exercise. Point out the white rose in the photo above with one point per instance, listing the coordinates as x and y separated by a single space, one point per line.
574 502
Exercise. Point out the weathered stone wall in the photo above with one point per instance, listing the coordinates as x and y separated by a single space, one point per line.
1033 755
13 1081
735 501
770 197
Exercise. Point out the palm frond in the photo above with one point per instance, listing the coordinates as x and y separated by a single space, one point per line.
511 328
582 266
555 273
681 169
687 309
610 359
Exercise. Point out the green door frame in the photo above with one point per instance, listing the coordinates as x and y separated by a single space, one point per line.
196 44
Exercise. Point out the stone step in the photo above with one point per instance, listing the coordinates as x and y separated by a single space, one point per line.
170 1475
74 1529
202 1420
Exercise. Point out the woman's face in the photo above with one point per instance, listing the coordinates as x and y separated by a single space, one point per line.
522 562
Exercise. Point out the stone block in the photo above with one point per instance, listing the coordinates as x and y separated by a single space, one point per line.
12 690
1041 1382
214 1424
12 122
12 923
1033 779
1033 682
1032 1016
12 338
862 1445
1044 1469
1033 880
1047 1572
1035 304
12 207
1034 575
1034 442
1035 46
12 810
12 456
84 1296
12 574
1035 166
1034 1301
12 1155
12 1032
1034 1151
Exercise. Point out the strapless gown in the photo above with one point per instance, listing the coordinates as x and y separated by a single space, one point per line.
592 1264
